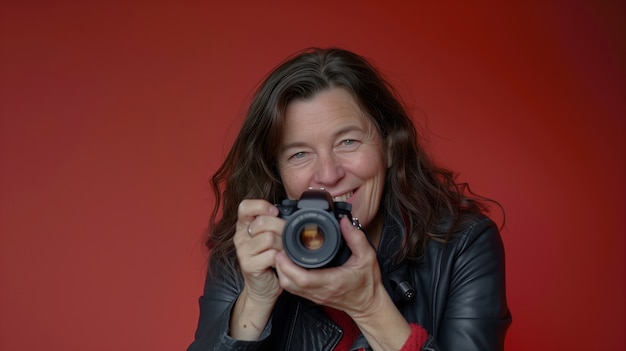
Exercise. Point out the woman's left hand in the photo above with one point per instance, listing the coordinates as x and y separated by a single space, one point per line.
353 287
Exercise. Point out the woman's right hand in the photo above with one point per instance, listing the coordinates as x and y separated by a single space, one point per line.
257 239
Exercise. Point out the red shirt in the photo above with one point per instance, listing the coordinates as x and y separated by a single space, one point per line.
350 332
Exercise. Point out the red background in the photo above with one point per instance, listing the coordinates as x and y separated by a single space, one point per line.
114 115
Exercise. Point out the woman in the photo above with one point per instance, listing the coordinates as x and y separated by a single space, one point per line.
325 119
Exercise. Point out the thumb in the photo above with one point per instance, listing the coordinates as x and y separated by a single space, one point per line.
355 238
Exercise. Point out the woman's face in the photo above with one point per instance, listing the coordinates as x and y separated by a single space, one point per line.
330 143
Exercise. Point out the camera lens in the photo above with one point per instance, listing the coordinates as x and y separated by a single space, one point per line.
312 236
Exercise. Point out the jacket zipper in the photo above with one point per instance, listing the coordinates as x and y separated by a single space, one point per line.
293 324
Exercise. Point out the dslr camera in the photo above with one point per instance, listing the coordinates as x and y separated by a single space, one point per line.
312 237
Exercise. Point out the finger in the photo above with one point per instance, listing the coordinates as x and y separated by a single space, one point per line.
318 285
296 277
256 257
286 269
251 208
263 224
268 240
265 233
260 263
355 238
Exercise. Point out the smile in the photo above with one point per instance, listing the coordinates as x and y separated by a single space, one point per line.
343 197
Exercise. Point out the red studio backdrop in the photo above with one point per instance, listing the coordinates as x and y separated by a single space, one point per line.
113 116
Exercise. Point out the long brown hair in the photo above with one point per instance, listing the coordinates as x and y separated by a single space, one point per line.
419 190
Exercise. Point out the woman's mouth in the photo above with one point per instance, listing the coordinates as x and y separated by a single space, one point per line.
343 197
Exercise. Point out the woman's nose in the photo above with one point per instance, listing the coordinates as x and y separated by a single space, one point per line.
328 171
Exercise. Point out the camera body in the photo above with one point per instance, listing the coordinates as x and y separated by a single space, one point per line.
312 237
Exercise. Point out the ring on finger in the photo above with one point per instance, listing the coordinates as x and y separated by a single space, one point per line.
249 231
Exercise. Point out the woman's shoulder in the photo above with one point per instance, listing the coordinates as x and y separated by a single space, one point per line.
473 249
468 229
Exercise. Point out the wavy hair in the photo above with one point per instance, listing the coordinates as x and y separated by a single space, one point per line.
415 186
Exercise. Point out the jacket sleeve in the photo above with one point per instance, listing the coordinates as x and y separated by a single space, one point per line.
476 315
221 290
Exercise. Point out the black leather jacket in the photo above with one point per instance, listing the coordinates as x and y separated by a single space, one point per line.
460 298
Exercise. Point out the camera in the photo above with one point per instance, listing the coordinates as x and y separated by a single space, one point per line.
312 237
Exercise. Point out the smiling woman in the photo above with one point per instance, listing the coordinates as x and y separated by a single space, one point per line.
325 118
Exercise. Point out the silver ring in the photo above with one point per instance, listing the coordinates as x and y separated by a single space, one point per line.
249 231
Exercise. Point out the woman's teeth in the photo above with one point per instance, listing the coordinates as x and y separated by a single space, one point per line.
343 197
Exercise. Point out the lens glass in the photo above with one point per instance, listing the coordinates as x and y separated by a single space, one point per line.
312 236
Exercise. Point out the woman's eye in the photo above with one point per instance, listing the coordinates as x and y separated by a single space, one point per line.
300 154
349 142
